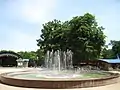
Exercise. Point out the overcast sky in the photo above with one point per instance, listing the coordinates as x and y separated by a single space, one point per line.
21 20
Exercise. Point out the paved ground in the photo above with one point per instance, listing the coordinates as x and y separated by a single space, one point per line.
7 87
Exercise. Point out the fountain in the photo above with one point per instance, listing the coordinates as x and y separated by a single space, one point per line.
59 73
58 60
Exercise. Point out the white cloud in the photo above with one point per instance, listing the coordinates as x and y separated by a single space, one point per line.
29 11
33 11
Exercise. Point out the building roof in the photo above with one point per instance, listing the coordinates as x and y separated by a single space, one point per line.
9 53
111 60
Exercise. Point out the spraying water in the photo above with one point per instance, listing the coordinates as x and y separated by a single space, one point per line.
59 60
118 56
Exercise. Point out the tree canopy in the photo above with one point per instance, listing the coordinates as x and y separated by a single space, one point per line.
81 34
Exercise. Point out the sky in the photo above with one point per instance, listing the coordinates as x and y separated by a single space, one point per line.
21 20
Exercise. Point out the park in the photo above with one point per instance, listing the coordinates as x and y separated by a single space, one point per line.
72 55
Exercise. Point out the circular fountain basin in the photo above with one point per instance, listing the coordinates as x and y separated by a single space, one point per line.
55 79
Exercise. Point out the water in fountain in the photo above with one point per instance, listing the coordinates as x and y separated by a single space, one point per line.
59 60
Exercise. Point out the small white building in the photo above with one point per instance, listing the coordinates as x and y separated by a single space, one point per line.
22 62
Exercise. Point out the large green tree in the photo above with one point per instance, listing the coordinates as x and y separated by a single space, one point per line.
81 34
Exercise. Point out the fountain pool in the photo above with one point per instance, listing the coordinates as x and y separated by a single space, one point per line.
65 75
59 73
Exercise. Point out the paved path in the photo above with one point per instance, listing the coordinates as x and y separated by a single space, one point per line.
7 87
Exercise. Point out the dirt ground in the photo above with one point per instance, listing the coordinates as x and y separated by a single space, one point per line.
115 86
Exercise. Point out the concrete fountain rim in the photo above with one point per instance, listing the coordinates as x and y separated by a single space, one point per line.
58 84
5 75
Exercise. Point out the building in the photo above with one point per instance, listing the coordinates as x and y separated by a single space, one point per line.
22 62
8 58
112 63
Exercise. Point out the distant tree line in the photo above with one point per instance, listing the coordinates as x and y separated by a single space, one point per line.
113 52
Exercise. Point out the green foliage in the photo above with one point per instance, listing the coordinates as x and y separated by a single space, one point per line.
81 34
40 55
51 36
37 56
28 55
112 53
107 53
115 47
